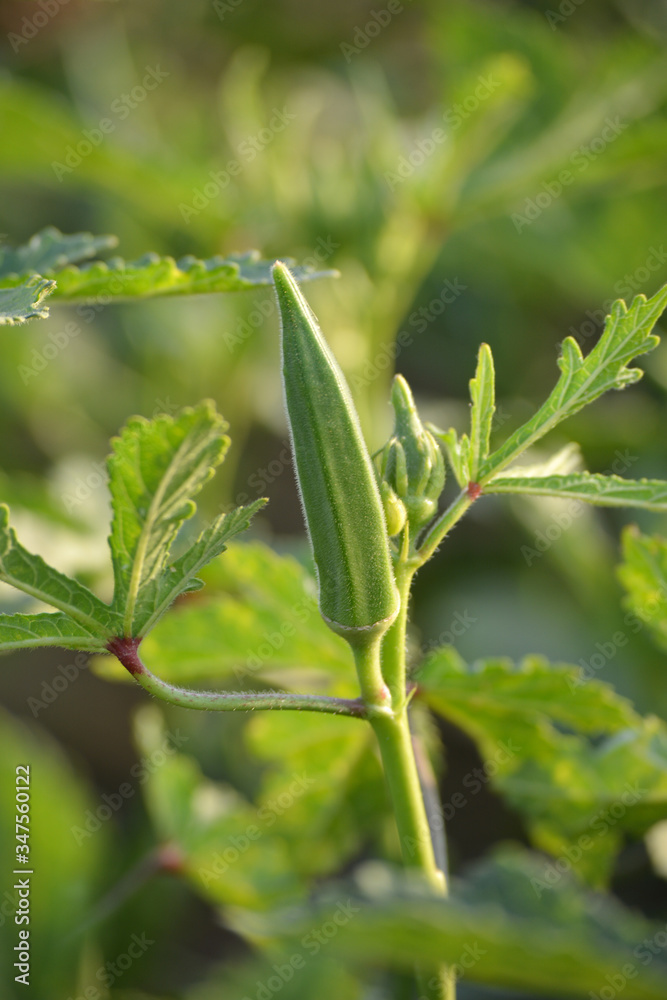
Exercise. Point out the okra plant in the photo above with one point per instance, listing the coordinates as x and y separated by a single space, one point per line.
570 746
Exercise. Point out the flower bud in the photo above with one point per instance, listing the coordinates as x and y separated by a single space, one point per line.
412 463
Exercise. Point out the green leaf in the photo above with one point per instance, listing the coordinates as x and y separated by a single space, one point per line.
603 491
523 695
482 395
457 451
51 251
181 576
264 606
24 301
231 850
643 573
566 751
339 805
626 335
33 631
30 574
152 275
500 928
155 469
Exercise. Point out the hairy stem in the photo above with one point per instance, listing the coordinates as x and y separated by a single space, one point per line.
444 524
392 730
126 650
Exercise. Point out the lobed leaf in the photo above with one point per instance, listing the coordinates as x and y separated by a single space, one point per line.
33 631
570 754
643 574
155 469
50 251
603 491
24 301
29 573
497 928
626 335
181 576
257 621
152 275
457 451
482 395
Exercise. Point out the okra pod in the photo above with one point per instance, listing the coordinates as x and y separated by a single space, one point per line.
358 598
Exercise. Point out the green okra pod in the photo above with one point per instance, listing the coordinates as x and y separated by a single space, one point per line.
341 500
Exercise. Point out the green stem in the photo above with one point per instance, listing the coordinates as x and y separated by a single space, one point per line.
393 649
444 525
391 727
229 701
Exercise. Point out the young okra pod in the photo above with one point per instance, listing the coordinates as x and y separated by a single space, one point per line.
357 593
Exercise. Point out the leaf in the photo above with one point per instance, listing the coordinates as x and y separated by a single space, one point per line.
482 395
340 807
50 251
155 469
643 573
626 335
257 620
24 301
603 491
457 451
181 576
565 750
232 852
499 928
33 631
152 275
30 574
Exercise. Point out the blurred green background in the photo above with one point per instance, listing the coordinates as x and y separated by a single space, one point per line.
475 171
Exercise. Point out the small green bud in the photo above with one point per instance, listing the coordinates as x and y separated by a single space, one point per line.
394 510
412 463
341 500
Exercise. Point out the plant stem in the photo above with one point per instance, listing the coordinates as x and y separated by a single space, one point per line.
444 525
392 730
229 701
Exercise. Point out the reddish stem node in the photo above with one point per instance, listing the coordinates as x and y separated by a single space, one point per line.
474 490
125 649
